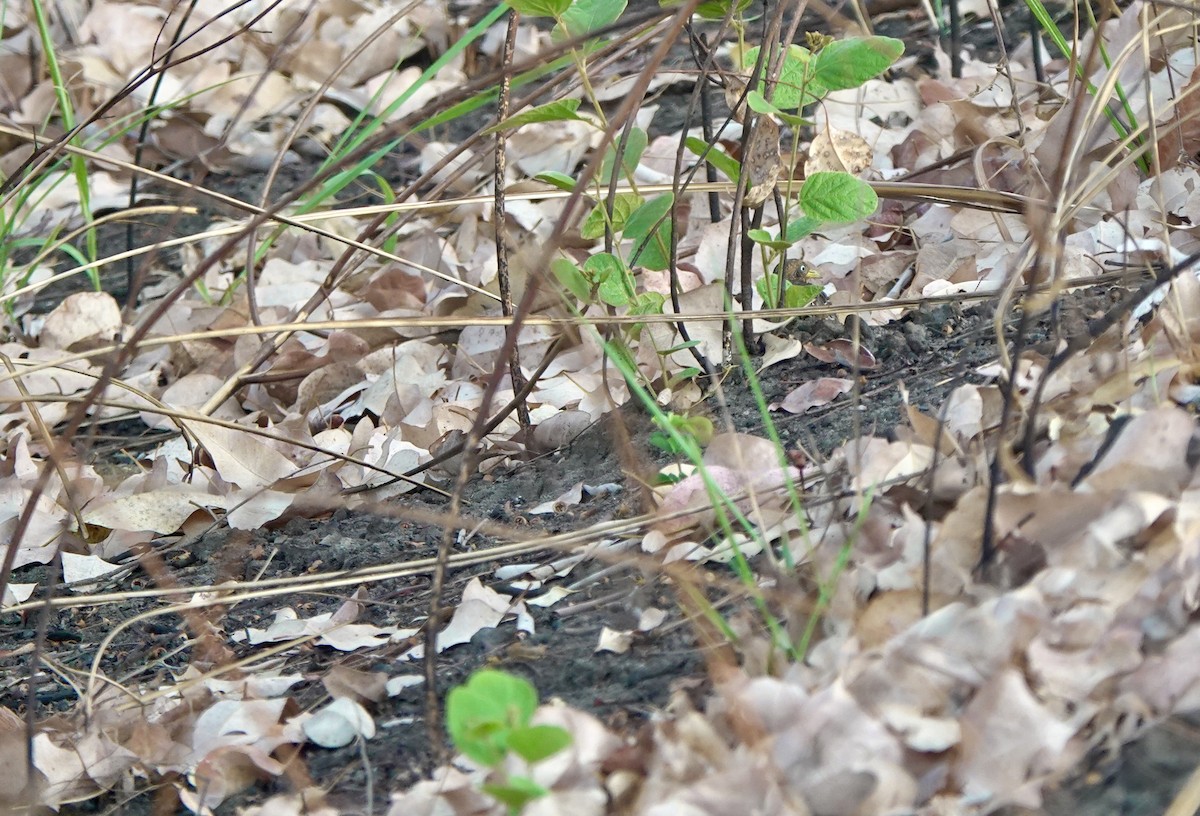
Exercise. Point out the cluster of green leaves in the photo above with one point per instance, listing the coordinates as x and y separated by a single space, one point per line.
572 18
782 287
643 225
488 718
678 432
807 76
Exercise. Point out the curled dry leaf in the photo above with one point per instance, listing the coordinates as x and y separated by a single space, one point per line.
79 569
560 504
339 724
613 640
83 321
737 465
450 791
814 393
835 150
560 430
342 681
333 629
160 511
239 456
307 802
480 608
763 163
14 784
777 350
843 351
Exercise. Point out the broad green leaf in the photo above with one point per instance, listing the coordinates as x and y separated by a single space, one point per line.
701 428
768 289
648 216
849 63
560 180
653 215
624 204
536 742
635 145
656 253
571 278
516 793
796 229
682 375
540 8
482 712
837 198
585 16
647 303
761 236
610 273
613 293
798 296
715 156
560 110
801 227
720 9
797 86
681 347
664 442
759 104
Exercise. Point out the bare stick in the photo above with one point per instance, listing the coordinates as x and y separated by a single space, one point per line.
499 217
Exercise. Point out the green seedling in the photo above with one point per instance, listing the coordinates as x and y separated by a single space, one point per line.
489 718
806 76
697 430
784 287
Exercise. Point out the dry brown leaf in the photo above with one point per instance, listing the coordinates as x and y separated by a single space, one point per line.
777 350
814 393
1180 137
15 787
1154 446
162 511
240 457
342 681
838 151
560 430
83 321
844 352
763 163
1009 741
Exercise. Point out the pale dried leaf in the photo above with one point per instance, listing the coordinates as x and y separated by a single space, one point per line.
838 151
815 393
83 321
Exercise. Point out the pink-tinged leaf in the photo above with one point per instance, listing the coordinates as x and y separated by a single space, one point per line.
843 352
815 393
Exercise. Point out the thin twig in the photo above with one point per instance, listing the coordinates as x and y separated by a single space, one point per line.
499 217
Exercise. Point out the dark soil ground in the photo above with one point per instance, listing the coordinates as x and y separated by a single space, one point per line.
930 352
